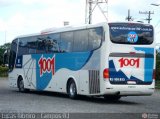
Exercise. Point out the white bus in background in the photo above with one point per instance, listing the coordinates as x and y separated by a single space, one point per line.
106 59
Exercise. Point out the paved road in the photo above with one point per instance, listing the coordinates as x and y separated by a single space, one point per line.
12 100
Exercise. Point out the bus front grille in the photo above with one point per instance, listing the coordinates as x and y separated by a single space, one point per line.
94 82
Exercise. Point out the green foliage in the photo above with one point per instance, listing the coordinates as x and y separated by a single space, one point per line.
158 67
158 71
1 55
158 84
3 48
6 46
3 71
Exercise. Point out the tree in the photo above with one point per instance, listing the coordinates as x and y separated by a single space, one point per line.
3 48
158 67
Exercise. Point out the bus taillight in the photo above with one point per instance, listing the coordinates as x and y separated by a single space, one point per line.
154 74
106 73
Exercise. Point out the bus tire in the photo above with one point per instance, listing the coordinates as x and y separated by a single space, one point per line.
21 85
112 97
72 90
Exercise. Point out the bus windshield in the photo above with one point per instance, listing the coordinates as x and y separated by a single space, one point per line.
130 33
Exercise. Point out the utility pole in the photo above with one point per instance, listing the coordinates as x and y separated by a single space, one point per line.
90 11
149 15
90 8
5 36
129 18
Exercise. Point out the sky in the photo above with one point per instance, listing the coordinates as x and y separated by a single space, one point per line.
21 17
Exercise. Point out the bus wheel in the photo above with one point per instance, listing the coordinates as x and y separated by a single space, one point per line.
21 85
72 90
112 97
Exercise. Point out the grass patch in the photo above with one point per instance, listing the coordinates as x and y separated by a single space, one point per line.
157 84
3 71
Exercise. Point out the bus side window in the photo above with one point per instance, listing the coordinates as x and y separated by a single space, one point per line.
80 41
41 45
52 43
32 45
66 44
95 38
22 48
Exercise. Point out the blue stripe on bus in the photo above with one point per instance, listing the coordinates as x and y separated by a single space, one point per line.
148 68
72 61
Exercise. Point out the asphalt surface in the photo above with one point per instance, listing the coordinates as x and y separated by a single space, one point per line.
39 102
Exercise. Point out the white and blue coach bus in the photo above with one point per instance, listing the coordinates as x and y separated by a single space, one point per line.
106 59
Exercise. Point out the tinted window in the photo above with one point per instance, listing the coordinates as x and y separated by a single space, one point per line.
53 43
80 41
95 38
41 45
76 41
22 49
32 44
28 45
66 43
131 33
12 56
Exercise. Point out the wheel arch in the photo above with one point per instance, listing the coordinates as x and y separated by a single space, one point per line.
68 81
19 77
